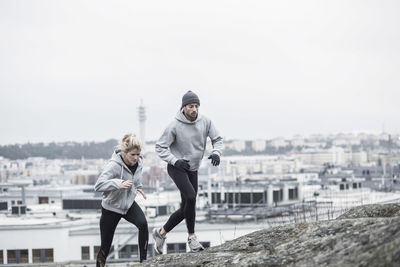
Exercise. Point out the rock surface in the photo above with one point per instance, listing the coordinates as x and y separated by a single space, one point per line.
364 236
373 210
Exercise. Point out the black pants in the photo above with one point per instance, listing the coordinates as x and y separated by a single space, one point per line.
109 221
186 181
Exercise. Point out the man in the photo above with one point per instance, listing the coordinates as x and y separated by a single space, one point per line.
182 146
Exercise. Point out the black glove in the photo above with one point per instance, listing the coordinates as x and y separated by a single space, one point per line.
214 159
182 164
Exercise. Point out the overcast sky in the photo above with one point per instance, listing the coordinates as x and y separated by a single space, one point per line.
77 70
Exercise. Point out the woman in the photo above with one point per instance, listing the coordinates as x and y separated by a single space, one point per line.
119 182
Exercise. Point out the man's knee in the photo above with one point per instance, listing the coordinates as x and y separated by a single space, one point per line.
142 225
191 199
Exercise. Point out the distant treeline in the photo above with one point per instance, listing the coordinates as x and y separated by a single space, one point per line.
66 150
95 150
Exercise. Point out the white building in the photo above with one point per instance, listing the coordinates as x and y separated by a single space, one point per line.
357 158
30 239
259 145
278 142
334 155
251 166
297 140
236 145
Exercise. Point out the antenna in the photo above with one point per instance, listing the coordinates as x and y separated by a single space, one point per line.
142 121
389 160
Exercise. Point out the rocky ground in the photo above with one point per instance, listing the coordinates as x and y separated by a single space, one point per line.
364 236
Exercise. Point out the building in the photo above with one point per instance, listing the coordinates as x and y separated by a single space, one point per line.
235 145
259 145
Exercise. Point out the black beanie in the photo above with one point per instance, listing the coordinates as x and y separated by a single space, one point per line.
190 98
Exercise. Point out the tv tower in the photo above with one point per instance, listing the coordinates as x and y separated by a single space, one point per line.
142 121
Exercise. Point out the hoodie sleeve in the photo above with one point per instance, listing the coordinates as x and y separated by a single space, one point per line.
107 180
216 139
138 175
163 144
138 184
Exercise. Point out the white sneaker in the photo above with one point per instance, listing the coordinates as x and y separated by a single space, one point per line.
159 240
194 244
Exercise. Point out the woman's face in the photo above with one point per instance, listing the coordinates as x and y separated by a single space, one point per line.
132 157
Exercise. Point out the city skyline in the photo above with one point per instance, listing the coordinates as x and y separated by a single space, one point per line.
77 71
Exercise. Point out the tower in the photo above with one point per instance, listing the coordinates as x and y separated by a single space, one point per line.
142 121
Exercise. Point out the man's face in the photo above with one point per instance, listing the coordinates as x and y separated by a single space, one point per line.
191 111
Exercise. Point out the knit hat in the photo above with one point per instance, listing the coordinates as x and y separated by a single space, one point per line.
190 98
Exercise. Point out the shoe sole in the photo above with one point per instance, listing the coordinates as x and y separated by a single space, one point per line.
196 250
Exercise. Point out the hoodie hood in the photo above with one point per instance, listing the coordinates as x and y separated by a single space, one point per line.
182 118
117 157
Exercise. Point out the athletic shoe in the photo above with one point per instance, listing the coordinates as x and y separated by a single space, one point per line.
158 240
194 244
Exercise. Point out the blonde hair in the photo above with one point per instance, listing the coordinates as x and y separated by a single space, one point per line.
129 142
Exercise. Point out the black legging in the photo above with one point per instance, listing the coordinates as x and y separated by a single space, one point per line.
109 221
186 181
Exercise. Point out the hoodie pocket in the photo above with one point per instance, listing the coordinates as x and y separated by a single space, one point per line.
116 199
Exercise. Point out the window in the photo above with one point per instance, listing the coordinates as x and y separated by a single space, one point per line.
36 255
205 244
182 247
277 195
150 251
96 250
162 210
215 198
1 257
129 251
42 255
341 186
43 200
17 256
354 185
85 253
258 198
232 198
176 247
4 205
245 198
293 194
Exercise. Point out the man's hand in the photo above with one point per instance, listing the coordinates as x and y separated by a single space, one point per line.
126 184
141 192
214 159
182 164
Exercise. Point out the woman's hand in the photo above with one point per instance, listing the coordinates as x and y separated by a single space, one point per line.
126 184
141 192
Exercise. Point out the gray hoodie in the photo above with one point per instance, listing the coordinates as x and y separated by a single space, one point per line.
114 173
185 139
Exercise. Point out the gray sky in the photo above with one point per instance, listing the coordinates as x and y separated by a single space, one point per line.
76 70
